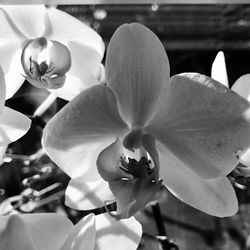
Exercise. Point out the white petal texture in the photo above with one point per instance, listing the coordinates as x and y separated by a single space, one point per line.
117 235
13 125
203 123
84 195
213 196
219 69
82 235
136 69
102 232
64 27
33 231
2 153
27 19
76 135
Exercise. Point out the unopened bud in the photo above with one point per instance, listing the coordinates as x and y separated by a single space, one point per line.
45 63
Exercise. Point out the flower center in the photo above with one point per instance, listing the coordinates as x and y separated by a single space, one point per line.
139 169
45 63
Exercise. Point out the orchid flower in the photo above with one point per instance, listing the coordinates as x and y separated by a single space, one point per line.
144 129
55 232
49 48
241 87
13 124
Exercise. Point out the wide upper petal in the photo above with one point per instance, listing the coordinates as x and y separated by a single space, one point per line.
13 125
136 69
242 86
203 123
213 196
82 194
27 20
33 231
75 136
64 27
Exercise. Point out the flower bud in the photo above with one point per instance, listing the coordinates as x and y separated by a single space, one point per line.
45 63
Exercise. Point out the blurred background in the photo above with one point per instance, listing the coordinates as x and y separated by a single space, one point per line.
192 36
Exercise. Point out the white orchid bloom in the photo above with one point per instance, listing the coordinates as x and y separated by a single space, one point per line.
50 231
144 129
58 51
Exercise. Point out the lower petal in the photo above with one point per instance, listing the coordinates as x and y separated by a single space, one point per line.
84 195
33 231
13 125
132 195
112 234
82 235
212 196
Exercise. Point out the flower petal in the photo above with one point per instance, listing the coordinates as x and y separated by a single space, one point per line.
136 69
75 136
213 196
9 29
83 73
43 225
26 19
242 86
14 234
14 76
219 69
74 85
13 125
117 235
33 231
2 90
2 153
82 235
83 195
203 123
8 50
64 28
84 58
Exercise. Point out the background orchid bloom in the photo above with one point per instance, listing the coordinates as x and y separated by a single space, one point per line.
144 126
13 124
241 87
22 23
50 231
